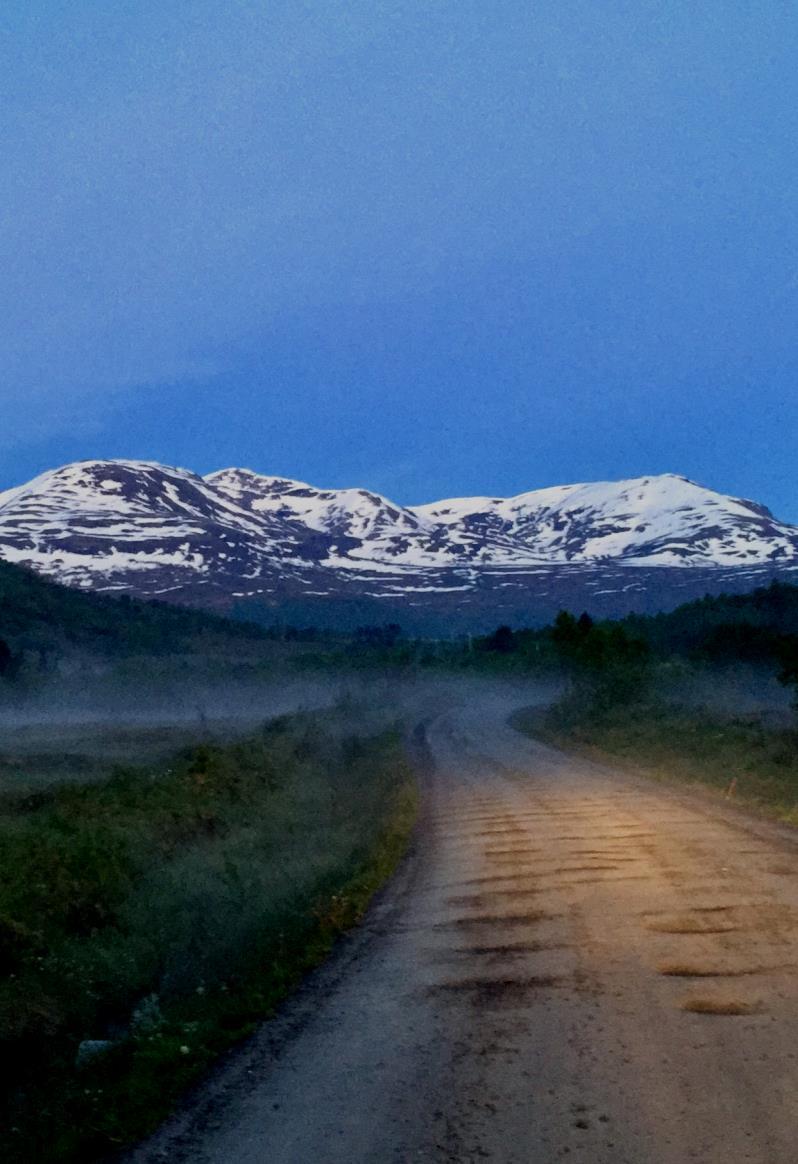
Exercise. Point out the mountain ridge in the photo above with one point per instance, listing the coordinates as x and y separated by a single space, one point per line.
233 535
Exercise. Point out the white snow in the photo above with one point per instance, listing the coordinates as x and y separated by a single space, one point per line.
99 518
640 521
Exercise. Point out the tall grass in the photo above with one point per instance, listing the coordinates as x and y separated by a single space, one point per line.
148 921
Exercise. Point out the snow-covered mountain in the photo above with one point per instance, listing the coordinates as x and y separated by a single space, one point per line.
665 520
342 513
154 530
373 529
143 527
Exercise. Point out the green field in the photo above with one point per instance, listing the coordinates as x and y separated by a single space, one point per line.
150 919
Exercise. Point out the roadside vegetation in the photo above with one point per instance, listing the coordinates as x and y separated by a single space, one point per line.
740 756
150 920
675 694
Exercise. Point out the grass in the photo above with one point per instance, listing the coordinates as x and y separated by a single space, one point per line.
159 915
35 757
743 758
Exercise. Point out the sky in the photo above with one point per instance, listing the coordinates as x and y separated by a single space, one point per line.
429 248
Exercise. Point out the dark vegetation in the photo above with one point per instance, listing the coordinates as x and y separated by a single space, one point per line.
41 620
48 629
760 627
150 920
660 691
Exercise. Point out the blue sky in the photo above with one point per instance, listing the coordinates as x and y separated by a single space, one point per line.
429 248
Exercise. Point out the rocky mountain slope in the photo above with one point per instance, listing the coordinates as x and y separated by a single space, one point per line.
237 536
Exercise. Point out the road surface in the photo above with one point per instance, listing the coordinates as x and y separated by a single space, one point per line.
572 965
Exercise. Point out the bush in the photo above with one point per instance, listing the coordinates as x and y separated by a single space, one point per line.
608 663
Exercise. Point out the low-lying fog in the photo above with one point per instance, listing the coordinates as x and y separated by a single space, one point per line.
80 731
736 690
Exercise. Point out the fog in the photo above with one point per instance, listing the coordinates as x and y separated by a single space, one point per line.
738 690
80 728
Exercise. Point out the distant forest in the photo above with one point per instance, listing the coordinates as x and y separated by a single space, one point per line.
760 627
45 619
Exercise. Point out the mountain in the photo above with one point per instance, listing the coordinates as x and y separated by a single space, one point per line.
371 529
145 528
236 537
665 521
361 524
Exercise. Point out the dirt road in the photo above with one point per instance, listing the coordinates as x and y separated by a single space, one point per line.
572 966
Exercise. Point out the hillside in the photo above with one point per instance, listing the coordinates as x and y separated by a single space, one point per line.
36 614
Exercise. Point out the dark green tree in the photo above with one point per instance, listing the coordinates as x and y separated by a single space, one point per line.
502 640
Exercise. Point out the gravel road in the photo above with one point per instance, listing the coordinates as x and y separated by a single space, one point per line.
572 965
